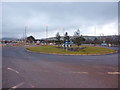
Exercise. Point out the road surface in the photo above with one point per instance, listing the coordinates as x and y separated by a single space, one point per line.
24 69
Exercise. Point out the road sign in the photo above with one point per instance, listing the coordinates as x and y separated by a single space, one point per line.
67 42
71 42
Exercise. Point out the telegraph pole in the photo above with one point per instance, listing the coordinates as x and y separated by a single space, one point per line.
46 34
63 31
25 35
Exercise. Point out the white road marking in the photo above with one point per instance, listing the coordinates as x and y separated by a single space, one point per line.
32 86
18 85
13 70
114 73
80 72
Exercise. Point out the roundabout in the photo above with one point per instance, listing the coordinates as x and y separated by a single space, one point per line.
86 50
29 69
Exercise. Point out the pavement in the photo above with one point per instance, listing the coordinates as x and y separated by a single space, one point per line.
23 69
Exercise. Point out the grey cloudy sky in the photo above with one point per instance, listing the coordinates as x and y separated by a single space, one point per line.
59 17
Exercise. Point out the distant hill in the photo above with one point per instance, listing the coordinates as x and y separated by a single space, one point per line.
7 38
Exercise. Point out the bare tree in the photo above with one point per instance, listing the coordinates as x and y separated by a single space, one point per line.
58 37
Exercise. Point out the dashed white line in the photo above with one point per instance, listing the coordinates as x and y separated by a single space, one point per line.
13 70
32 86
113 73
18 85
80 72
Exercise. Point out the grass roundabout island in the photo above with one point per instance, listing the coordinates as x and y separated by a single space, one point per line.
88 50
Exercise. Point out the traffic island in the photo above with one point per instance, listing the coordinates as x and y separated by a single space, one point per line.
88 50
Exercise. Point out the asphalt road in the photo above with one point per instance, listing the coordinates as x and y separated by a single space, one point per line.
23 69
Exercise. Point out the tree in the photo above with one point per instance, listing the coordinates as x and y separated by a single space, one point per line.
88 41
66 37
78 39
30 39
111 40
77 33
95 41
58 37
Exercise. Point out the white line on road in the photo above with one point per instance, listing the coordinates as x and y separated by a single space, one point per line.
114 73
32 86
18 85
80 72
13 70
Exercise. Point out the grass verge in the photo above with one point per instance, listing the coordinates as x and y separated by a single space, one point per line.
89 50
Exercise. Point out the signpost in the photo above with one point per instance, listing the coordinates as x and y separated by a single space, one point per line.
66 42
71 42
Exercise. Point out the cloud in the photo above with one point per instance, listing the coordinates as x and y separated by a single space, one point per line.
109 29
67 15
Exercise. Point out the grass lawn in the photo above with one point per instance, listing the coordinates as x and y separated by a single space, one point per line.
87 50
